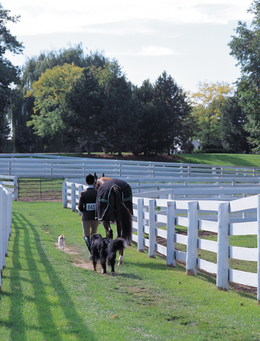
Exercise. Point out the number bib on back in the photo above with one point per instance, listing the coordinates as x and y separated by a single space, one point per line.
90 207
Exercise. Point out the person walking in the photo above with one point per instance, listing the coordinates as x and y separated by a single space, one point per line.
87 206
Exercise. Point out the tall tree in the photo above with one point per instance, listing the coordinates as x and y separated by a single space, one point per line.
147 135
207 103
84 104
116 123
9 74
233 121
31 72
245 49
173 107
50 102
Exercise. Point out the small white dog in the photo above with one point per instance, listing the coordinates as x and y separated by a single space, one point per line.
61 241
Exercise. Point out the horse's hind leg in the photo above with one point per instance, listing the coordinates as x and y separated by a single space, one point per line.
109 231
119 234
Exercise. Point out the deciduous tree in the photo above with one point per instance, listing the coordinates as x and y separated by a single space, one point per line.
245 49
207 103
50 94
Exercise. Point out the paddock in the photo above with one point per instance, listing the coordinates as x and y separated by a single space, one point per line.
215 199
226 211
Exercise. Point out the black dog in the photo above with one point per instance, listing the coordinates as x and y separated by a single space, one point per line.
105 248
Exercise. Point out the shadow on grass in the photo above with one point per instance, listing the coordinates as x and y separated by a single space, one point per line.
45 323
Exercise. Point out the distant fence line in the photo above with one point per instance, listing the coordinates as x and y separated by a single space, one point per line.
5 225
229 216
79 167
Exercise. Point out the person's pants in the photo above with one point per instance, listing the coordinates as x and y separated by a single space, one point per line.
89 224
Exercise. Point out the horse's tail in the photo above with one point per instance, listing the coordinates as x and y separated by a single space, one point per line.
126 217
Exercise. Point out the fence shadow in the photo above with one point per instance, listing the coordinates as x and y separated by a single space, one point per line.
26 234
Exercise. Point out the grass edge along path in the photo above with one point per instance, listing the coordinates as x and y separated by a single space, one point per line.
45 297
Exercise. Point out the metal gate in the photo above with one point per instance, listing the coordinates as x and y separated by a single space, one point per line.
40 189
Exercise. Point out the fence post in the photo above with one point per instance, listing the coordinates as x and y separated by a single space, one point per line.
223 246
5 222
15 188
1 229
10 213
258 249
192 242
140 224
64 194
170 259
1 236
80 189
152 236
73 197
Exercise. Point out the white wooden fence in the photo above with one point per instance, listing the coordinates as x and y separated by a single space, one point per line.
229 220
156 214
5 225
10 182
79 168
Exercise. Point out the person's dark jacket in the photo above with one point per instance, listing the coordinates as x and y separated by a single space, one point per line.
87 203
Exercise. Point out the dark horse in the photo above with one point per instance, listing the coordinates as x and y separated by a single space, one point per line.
114 204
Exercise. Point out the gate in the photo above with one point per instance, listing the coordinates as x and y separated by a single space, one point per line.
40 189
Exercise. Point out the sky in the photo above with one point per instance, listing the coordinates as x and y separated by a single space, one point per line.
186 38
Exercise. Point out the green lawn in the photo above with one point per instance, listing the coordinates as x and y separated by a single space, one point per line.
247 160
46 297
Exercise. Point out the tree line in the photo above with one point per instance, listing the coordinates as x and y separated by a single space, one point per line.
68 101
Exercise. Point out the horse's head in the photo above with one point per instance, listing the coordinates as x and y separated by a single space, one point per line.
99 181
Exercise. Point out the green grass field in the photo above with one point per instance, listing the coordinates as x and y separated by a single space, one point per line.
248 160
46 297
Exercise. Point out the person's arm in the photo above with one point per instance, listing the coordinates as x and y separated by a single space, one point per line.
81 206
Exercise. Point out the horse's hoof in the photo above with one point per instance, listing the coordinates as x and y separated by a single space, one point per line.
113 273
103 271
121 263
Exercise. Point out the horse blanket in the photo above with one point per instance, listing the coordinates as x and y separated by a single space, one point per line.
104 192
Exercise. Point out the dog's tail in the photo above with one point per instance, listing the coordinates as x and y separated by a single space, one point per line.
117 244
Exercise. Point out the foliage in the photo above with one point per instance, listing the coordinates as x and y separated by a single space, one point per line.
32 70
245 49
50 94
148 125
207 104
163 112
173 108
84 102
9 74
233 120
116 121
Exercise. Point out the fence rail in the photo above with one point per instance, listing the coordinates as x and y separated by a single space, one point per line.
79 168
5 225
156 214
146 220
